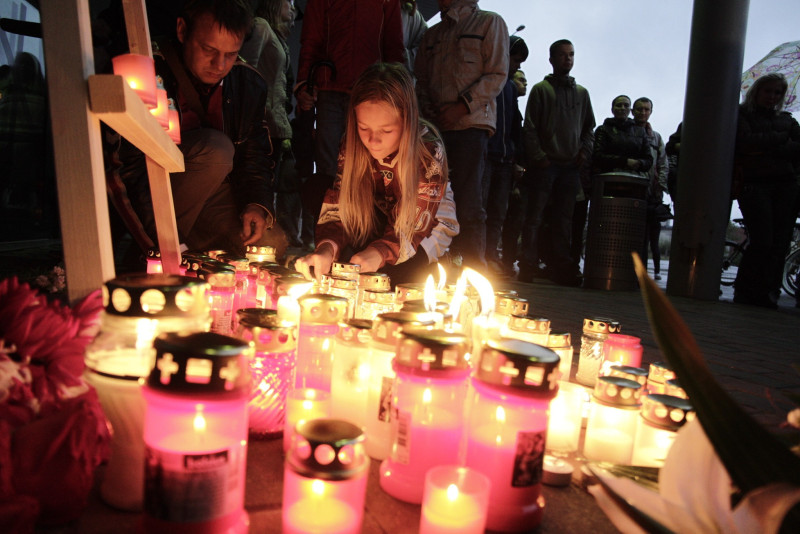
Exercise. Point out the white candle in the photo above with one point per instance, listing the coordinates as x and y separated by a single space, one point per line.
608 445
288 309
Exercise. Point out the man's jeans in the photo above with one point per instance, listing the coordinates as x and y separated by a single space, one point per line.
497 181
558 184
466 156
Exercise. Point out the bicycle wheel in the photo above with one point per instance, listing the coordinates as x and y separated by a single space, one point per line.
731 255
790 269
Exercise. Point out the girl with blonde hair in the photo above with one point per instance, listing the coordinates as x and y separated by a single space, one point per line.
391 202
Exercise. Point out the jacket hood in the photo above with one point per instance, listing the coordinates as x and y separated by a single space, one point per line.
459 6
560 81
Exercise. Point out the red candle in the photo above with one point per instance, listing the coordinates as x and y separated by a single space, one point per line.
140 73
161 111
174 128
620 349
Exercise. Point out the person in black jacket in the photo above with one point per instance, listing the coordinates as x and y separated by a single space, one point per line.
221 199
619 144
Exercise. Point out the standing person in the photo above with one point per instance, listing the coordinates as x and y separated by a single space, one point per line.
557 136
620 144
657 183
221 199
768 158
391 207
502 154
461 67
414 27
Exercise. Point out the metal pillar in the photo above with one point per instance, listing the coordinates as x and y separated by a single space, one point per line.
706 156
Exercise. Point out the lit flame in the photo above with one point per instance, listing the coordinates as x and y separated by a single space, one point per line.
442 277
429 297
605 370
452 492
318 487
427 396
199 422
458 295
500 414
297 291
485 290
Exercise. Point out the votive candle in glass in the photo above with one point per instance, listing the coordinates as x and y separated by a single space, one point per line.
257 253
374 296
657 377
512 386
347 289
661 418
612 420
566 417
620 349
253 267
268 272
351 370
455 501
530 329
320 316
242 269
595 333
507 306
407 291
427 409
350 271
561 344
195 432
154 265
674 388
637 374
139 72
161 111
304 405
222 279
286 290
174 122
325 479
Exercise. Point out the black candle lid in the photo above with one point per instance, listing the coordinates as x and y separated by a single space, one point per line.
666 411
155 295
319 308
618 392
431 350
519 365
355 331
329 449
387 326
200 364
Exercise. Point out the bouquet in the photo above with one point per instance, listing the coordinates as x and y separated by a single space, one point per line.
53 433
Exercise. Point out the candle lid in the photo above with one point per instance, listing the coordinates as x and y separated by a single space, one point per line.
329 449
408 291
666 411
318 308
238 263
506 293
268 270
418 306
218 275
357 331
431 350
637 374
674 388
511 305
618 392
201 363
257 316
601 325
519 365
153 253
375 281
255 266
285 282
531 325
387 326
559 340
345 270
267 333
257 253
216 253
378 297
339 282
194 260
156 295
660 372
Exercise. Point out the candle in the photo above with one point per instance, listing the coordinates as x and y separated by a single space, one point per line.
556 472
140 74
661 418
174 122
595 332
318 515
608 445
612 420
320 316
161 111
351 372
304 405
619 349
455 501
564 423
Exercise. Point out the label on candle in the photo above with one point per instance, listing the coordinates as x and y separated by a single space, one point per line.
191 487
385 406
401 452
528 459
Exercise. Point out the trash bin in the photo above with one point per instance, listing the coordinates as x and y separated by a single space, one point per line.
616 227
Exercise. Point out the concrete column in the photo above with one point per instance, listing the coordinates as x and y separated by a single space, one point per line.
707 145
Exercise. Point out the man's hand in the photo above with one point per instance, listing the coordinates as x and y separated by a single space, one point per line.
369 259
320 260
305 100
254 222
448 115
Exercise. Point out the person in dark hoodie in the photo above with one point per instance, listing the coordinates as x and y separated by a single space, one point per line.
557 135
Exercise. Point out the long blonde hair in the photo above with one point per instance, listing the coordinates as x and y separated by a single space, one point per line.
749 103
392 84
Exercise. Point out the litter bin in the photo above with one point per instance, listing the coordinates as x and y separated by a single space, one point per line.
617 214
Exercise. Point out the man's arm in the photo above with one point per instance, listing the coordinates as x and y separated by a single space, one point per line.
494 50
587 131
536 156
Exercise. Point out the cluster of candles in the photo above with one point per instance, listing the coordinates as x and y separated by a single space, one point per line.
454 389
139 72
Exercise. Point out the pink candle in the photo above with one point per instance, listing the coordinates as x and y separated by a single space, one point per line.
174 122
455 501
620 349
319 323
161 111
304 405
140 73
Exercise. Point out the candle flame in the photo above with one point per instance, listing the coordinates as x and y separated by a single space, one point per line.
199 422
429 296
500 414
318 487
442 277
452 492
310 394
485 290
427 396
297 291
308 405
606 367
458 296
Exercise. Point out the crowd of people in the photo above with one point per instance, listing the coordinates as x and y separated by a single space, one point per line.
395 144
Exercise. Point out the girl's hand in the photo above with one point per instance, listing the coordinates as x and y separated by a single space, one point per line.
369 259
320 260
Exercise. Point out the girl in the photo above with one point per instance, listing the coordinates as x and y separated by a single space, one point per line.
391 201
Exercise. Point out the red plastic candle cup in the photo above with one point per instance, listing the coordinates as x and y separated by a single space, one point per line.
427 409
513 384
325 479
195 433
320 316
174 122
455 501
621 349
140 74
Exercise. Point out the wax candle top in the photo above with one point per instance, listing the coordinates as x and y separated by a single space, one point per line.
431 350
519 364
375 282
329 449
202 363
533 325
618 392
155 295
666 411
317 308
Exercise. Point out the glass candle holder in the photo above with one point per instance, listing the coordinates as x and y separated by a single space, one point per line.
438 312
637 374
657 377
612 420
154 265
661 418
530 329
374 295
195 433
137 308
407 291
194 260
286 290
139 72
173 122
385 331
455 500
222 279
595 333
252 282
161 111
256 253
242 269
325 479
561 344
507 306
351 370
566 417
427 409
673 387
268 272
302 405
272 370
349 271
347 289
513 384
619 349
320 316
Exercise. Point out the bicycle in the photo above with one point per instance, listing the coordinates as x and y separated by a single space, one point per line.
791 266
732 253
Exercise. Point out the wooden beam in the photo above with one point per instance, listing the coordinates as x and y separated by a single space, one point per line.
80 177
164 212
116 104
136 27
